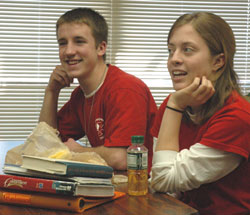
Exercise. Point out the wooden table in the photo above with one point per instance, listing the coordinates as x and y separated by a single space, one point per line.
151 204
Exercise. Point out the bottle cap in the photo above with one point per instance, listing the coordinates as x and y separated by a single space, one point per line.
139 139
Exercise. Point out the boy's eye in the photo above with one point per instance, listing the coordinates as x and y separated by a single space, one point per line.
62 42
80 41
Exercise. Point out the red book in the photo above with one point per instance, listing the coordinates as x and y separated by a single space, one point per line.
37 184
73 188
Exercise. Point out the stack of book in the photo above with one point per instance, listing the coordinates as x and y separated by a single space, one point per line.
57 184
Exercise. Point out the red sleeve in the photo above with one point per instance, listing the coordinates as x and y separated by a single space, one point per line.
229 131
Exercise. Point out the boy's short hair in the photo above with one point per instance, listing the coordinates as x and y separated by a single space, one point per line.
93 19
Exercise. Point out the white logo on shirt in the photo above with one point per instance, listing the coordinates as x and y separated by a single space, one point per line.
99 124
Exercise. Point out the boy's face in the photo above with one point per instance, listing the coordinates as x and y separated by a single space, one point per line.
77 49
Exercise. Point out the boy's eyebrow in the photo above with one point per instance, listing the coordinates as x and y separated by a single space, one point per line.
76 38
80 37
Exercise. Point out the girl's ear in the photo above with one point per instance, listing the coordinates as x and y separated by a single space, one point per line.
101 49
219 62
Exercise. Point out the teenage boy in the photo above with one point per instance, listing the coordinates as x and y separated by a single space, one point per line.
109 105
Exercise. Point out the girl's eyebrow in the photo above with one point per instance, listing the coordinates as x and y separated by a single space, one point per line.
170 45
188 43
184 44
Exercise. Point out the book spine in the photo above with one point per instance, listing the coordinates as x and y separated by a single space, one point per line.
42 200
37 184
89 171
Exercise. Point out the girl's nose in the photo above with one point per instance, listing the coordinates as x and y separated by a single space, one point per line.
175 58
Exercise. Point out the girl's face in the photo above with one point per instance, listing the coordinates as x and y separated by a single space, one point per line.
189 57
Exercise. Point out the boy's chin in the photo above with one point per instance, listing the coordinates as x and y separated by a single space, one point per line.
73 74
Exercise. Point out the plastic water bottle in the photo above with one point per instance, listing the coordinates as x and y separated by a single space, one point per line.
137 167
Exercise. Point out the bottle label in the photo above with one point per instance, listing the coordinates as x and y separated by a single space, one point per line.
137 161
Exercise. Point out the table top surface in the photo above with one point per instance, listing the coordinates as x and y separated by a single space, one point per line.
152 203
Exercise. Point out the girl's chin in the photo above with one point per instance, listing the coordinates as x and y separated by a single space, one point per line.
179 87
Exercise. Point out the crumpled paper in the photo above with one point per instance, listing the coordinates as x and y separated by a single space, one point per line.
44 142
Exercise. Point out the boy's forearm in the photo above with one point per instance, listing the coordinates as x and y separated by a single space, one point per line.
48 112
116 157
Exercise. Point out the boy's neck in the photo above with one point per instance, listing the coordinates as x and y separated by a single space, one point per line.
91 85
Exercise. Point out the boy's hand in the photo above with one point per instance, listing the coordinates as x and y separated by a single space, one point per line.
59 79
194 95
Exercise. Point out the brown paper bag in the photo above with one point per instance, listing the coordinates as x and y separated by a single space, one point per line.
44 142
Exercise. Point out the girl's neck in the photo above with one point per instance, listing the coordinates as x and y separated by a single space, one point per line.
193 113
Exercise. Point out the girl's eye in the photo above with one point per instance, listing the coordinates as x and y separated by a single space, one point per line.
187 49
170 51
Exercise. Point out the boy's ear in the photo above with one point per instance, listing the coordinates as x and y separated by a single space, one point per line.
219 62
101 49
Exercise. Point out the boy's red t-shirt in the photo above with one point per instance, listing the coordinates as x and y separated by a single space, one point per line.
121 108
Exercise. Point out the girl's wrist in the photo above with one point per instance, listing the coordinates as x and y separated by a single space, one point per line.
172 104
175 109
